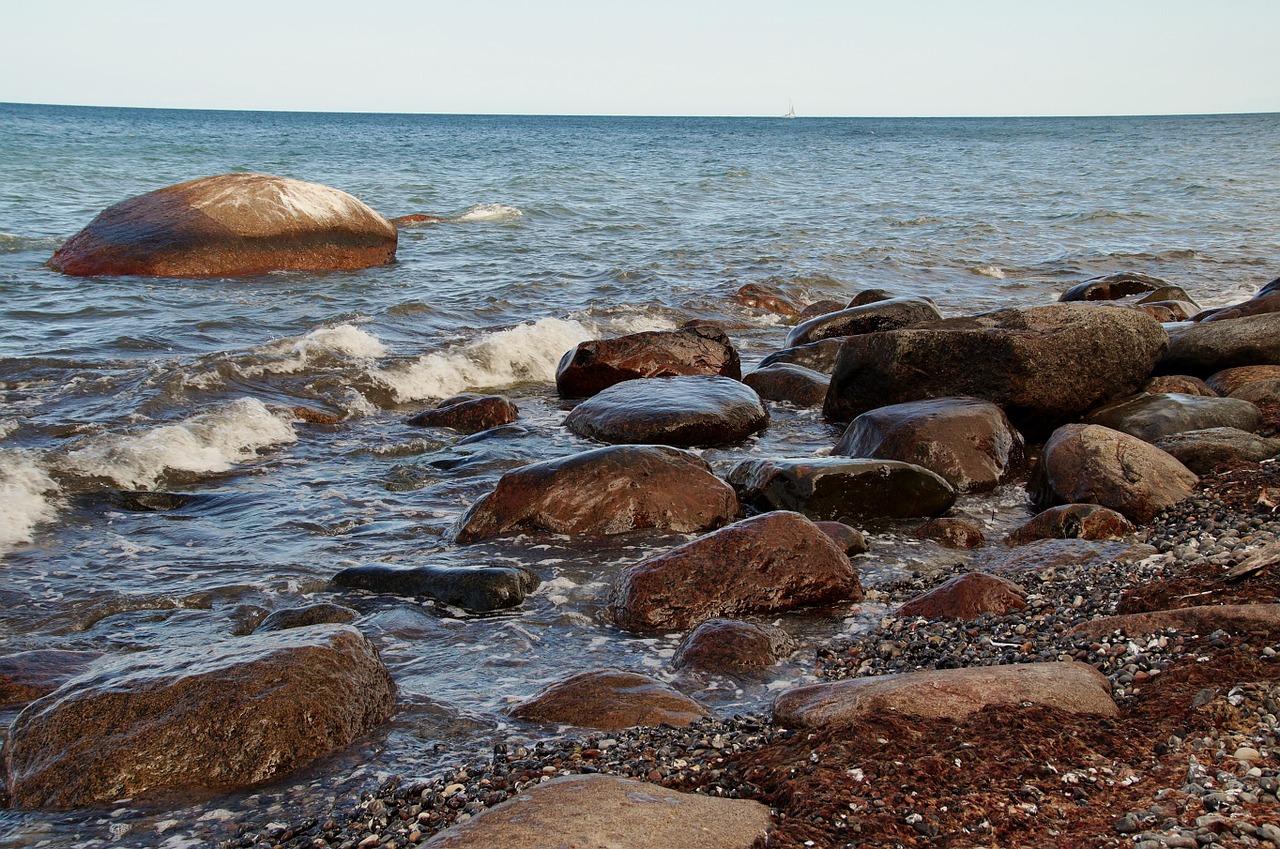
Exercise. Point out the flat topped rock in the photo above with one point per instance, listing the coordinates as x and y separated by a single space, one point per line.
610 699
607 812
1151 417
696 410
1189 620
947 693
230 225
1043 554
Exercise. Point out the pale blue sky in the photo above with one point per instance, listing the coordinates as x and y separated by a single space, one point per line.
653 57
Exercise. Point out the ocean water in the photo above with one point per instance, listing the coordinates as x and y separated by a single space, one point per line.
557 230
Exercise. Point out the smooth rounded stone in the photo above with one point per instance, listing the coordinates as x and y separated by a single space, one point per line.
1072 521
598 364
823 307
967 597
1228 380
763 565
1233 618
469 587
968 441
509 431
1202 451
469 413
216 717
1257 305
1168 311
1045 554
842 489
731 646
870 296
889 314
599 811
1042 365
147 501
607 491
1113 287
819 356
794 384
229 226
1259 392
947 694
27 675
1183 384
1212 346
610 699
1150 417
951 533
321 613
1091 464
683 412
767 298
851 540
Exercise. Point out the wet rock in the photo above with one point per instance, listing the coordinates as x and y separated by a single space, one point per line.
609 490
951 533
1183 384
231 225
509 431
1212 346
469 587
870 296
596 365
219 717
1229 380
698 410
1259 392
967 597
968 441
889 314
843 490
1232 618
763 565
1072 521
947 693
143 501
793 384
1085 463
1045 554
1150 417
610 699
28 675
1113 287
468 413
851 540
1202 451
819 356
1043 365
416 219
731 646
822 307
1257 305
768 298
606 811
321 613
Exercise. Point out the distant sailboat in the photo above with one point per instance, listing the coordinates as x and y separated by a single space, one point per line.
791 113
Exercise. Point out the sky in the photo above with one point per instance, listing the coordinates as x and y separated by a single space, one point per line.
649 57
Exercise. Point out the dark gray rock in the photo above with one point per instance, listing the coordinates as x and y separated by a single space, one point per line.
793 384
698 410
471 587
819 356
321 613
1150 417
1208 347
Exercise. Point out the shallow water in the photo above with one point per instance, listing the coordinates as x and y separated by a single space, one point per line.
558 230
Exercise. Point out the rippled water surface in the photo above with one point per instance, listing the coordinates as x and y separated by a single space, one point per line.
558 230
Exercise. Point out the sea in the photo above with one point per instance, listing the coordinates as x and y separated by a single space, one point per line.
556 230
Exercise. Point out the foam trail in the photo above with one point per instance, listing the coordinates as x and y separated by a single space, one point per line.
213 441
489 212
28 497
993 271
295 354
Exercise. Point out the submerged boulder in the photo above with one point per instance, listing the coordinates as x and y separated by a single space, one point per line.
596 365
218 717
28 675
610 699
696 410
609 490
229 226
471 587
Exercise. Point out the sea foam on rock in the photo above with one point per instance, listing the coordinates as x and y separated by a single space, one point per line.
595 365
230 225
684 412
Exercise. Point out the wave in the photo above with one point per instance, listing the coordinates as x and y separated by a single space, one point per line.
488 212
299 353
995 272
28 497
11 243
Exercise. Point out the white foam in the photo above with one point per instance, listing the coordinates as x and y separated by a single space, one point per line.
28 497
489 212
294 354
7 427
993 271
212 441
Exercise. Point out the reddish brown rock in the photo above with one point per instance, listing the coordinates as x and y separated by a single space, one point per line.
1097 465
219 717
28 675
596 365
1181 383
793 384
731 646
609 490
870 296
684 412
768 298
763 565
951 533
868 318
1259 392
468 413
232 225
1202 451
968 441
1257 305
1114 287
947 693
818 356
416 219
851 540
1235 618
1045 554
1151 417
823 307
1212 346
1229 380
610 699
967 597
1072 521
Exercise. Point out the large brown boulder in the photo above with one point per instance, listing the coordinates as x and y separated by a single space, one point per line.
1202 451
599 811
1211 346
230 226
843 489
867 318
947 694
218 717
1085 463
1151 417
763 565
609 490
731 646
28 675
684 412
595 365
967 597
610 699
788 382
968 441
1229 380
1043 365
